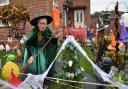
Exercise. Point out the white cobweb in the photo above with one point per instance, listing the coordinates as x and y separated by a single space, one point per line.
36 81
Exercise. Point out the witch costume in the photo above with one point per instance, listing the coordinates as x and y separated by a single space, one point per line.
34 47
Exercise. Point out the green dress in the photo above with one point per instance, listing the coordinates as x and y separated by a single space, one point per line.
44 56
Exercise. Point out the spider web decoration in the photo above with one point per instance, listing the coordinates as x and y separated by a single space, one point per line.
36 81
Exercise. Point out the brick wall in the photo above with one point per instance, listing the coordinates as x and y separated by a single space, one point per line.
36 6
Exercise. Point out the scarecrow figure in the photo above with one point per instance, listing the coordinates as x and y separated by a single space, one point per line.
36 46
101 41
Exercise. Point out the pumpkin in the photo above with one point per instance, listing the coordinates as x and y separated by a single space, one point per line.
7 68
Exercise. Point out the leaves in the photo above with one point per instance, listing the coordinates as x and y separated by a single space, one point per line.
71 68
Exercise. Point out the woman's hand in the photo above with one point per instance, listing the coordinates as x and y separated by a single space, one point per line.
31 59
57 33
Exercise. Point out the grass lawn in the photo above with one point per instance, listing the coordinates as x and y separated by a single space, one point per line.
87 66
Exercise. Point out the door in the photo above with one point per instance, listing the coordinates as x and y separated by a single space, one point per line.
79 18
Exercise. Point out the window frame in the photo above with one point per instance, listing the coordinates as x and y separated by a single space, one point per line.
4 3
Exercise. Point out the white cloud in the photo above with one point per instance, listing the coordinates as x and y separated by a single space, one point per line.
99 5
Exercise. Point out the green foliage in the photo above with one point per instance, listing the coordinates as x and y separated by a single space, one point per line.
122 77
71 68
4 55
97 14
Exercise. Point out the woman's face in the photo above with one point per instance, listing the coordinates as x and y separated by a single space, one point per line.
42 24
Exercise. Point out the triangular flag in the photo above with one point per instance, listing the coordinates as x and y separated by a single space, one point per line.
14 79
123 35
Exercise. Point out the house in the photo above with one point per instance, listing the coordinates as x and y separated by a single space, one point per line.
77 14
74 12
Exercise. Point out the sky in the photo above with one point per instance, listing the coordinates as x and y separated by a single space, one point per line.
99 5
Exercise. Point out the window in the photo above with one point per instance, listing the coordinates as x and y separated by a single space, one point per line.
4 2
79 18
1 24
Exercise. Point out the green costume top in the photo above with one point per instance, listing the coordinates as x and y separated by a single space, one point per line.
45 56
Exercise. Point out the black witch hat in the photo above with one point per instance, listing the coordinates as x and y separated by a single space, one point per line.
40 16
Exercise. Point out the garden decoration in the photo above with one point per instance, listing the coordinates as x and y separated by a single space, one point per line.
56 15
7 48
111 47
14 79
70 68
117 34
113 71
11 57
124 34
107 63
35 81
14 18
124 22
7 69
101 41
113 43
2 47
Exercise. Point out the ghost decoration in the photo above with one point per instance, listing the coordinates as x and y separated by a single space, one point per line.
7 47
2 47
9 39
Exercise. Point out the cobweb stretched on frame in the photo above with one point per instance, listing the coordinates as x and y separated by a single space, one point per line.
36 81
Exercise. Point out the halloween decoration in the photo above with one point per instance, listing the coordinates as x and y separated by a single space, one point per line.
7 68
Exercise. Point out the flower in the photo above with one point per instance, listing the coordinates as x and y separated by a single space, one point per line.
69 75
70 63
72 75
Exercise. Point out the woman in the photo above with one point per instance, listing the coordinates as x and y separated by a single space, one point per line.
38 37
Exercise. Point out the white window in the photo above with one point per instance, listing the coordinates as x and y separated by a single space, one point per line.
65 18
79 18
1 24
4 2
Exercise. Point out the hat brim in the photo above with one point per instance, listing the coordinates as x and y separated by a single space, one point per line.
35 20
103 28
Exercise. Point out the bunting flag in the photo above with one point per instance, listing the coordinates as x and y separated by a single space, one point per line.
124 35
14 79
56 16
